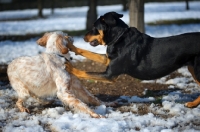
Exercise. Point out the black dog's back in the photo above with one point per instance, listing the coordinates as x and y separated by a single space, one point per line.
161 56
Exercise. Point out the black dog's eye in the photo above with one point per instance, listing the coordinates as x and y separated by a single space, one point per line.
95 31
93 28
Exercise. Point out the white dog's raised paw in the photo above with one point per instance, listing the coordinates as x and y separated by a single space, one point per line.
111 104
23 109
95 115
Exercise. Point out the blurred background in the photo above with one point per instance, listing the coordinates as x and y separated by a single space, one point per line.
156 105
22 22
135 8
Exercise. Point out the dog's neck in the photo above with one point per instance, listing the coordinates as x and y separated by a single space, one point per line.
62 57
117 37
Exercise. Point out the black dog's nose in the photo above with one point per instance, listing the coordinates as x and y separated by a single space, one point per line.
71 58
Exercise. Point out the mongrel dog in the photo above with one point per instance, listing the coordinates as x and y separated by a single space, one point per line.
137 54
45 75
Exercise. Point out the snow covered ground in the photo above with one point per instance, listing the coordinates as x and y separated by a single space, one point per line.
171 116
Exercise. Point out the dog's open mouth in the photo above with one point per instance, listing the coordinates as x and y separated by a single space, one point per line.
94 43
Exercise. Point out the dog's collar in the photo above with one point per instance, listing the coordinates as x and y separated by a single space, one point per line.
62 56
118 37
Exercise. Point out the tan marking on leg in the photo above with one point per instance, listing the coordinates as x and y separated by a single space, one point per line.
196 102
90 55
21 107
83 74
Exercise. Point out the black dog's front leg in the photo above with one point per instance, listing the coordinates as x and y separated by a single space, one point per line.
101 76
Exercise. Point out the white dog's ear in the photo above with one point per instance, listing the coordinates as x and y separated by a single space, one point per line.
60 44
70 38
43 41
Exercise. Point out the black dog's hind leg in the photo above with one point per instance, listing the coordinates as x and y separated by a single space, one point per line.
195 71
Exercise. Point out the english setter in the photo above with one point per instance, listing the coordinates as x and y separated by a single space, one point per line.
45 75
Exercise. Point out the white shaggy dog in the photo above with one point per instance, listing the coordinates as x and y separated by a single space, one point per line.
45 75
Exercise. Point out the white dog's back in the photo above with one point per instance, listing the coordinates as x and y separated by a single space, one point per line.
37 73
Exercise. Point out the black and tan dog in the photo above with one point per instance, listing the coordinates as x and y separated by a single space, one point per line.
136 54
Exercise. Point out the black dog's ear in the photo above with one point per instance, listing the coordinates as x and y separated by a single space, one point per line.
102 19
117 15
110 18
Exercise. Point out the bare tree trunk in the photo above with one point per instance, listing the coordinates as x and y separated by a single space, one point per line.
91 14
187 4
52 6
136 14
40 7
124 4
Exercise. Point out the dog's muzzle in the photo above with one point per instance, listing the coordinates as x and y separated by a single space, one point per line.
94 43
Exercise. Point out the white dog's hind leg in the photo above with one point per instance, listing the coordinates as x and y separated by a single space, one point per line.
82 93
22 92
70 100
19 104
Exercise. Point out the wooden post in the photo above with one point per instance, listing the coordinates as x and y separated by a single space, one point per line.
187 4
91 14
40 7
136 14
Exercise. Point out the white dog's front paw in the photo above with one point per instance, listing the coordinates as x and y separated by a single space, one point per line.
111 104
95 115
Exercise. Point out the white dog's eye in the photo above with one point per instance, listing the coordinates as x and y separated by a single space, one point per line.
71 39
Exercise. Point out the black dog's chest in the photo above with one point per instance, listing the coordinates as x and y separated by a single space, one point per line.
112 52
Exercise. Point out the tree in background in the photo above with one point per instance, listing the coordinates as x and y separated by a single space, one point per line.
40 7
187 4
124 4
52 6
136 14
91 14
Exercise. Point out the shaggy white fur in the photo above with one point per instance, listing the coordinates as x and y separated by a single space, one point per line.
45 75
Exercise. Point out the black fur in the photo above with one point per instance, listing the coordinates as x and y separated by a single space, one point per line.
142 56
